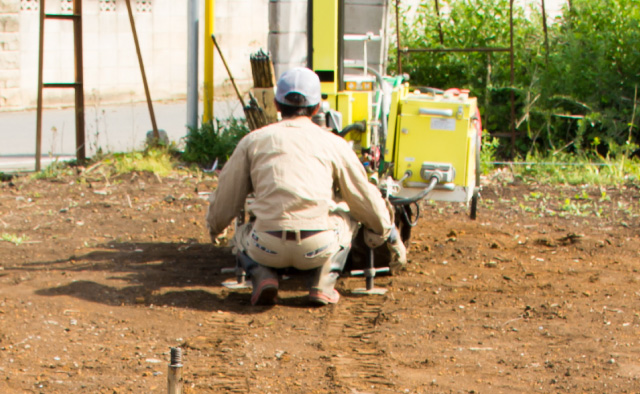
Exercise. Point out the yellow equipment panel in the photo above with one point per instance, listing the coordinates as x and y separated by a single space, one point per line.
325 43
437 129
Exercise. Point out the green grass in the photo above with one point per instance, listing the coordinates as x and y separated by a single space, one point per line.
565 169
154 160
158 160
13 238
55 170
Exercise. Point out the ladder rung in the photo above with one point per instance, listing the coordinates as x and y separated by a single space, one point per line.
61 85
61 16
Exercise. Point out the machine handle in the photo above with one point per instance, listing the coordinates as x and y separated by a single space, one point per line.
434 111
362 37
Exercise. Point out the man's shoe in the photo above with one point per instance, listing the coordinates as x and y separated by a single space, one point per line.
265 292
317 297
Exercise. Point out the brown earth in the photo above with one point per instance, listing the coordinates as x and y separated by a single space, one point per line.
539 294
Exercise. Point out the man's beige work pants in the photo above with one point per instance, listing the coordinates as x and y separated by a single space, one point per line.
309 253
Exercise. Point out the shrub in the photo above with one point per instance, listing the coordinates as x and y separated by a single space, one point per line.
213 141
583 89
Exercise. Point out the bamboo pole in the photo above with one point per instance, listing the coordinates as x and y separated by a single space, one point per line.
262 70
226 66
256 117
156 135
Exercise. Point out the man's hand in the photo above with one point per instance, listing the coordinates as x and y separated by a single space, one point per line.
394 243
219 239
398 251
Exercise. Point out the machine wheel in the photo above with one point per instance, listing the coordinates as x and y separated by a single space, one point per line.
475 196
474 206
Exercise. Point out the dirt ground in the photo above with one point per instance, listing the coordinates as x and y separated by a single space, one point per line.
539 294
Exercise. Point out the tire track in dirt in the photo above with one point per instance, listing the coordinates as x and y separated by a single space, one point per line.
359 360
226 374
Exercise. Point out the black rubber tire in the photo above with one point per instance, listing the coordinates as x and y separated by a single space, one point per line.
474 199
474 206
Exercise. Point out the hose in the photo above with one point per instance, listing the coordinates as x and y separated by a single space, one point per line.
408 200
406 212
359 126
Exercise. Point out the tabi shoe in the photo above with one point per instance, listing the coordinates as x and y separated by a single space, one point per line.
265 293
318 297
265 286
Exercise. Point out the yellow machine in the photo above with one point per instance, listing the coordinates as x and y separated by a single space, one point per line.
415 145
427 141
436 134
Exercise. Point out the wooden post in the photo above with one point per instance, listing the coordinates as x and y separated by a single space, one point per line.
226 66
40 65
156 135
76 18
81 151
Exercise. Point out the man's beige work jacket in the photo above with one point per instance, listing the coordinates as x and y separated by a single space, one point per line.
294 168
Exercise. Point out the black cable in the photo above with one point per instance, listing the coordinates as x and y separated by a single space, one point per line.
408 200
359 126
408 221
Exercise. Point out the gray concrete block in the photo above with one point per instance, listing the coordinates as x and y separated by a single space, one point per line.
9 6
9 60
9 23
288 16
8 95
9 42
10 78
12 83
363 18
286 47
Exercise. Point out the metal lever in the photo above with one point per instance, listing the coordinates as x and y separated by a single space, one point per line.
370 274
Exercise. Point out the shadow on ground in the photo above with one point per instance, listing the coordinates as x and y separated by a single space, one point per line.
161 274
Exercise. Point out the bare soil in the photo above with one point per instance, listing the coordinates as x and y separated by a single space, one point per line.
539 294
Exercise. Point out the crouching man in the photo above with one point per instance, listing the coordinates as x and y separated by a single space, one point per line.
311 193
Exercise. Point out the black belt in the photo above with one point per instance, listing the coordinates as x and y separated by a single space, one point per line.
290 235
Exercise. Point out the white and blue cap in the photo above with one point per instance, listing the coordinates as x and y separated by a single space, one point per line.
302 81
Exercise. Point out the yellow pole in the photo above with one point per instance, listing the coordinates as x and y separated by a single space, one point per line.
325 44
209 23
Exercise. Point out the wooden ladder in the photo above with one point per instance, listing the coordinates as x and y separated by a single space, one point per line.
77 85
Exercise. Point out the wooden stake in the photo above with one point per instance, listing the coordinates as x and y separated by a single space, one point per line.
156 135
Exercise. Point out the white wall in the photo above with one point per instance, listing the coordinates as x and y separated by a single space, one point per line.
111 70
9 51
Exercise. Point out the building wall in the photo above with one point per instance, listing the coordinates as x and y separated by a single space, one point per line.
9 51
111 70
